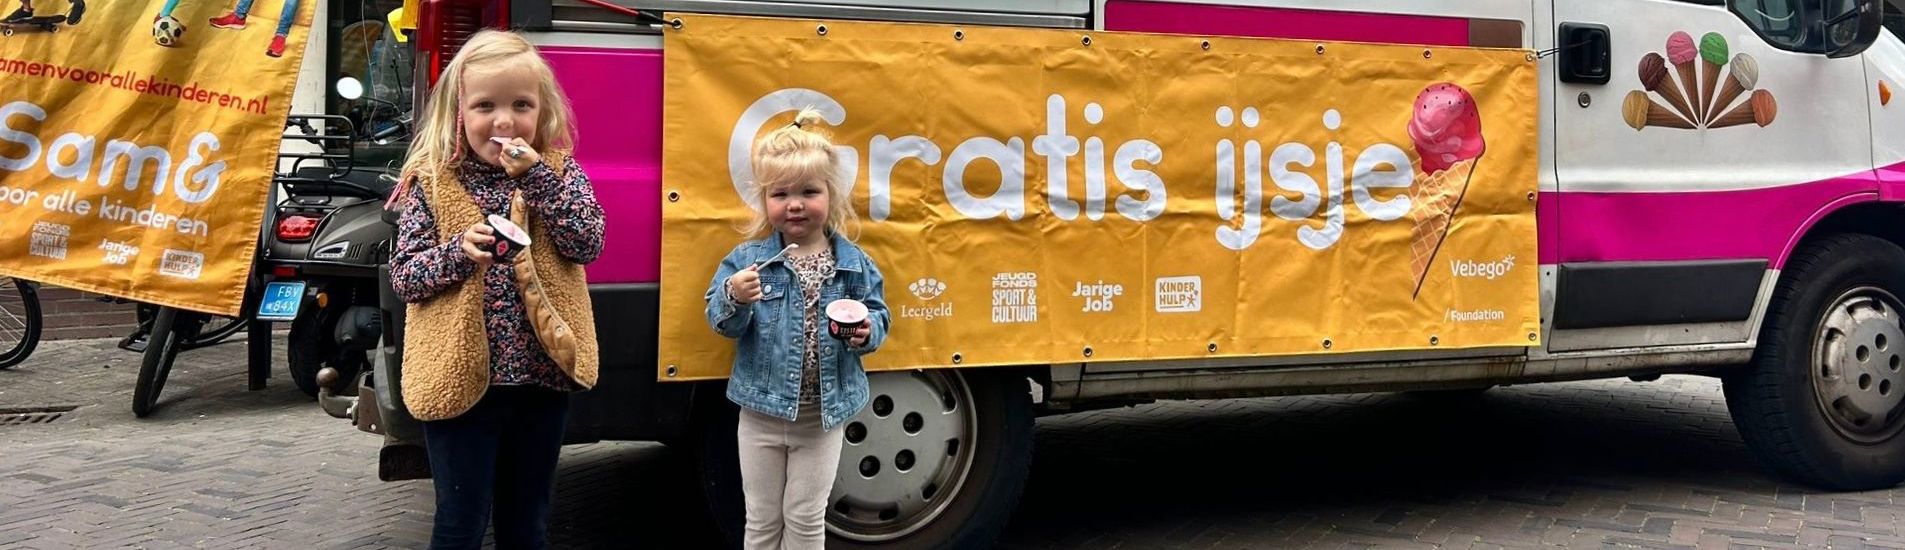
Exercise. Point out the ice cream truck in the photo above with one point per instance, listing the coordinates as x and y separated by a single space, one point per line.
1079 204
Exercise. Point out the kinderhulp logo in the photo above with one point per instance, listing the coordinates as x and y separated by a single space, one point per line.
1180 294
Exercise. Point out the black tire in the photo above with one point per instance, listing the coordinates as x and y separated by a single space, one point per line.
1796 407
161 349
311 346
975 513
20 321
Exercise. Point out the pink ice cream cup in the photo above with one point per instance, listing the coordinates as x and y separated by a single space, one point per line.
845 316
510 239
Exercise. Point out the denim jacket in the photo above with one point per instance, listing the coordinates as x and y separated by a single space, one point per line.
766 374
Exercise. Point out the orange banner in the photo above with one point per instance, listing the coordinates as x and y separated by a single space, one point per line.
1052 196
137 143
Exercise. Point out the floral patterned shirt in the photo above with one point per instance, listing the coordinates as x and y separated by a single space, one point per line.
421 265
814 271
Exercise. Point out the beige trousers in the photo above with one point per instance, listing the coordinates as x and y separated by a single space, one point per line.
787 471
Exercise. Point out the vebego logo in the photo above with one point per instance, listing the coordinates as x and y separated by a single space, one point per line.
1481 270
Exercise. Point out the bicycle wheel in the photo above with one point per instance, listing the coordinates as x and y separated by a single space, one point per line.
19 321
161 348
217 330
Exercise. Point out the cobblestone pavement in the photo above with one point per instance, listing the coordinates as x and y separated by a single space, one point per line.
1577 465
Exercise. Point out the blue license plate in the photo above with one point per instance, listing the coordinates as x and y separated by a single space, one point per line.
281 301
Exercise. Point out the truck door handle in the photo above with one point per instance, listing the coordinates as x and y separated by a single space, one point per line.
1584 53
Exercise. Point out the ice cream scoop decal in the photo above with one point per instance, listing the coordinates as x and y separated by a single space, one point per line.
1703 99
1446 127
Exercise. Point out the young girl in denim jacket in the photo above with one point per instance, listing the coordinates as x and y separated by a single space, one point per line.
795 383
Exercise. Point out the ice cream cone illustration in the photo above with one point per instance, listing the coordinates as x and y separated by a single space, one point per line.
1433 201
1653 77
1640 112
1681 53
1758 109
1743 76
1713 54
1447 130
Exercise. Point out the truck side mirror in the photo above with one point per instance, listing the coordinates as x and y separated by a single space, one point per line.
1854 28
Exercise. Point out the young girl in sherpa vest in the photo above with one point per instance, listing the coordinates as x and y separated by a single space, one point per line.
796 374
492 348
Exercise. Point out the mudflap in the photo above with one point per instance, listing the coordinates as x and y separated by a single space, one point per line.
399 461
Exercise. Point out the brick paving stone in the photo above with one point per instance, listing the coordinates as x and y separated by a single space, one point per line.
1594 464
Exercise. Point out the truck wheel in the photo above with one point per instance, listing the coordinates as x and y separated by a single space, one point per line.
1821 402
937 460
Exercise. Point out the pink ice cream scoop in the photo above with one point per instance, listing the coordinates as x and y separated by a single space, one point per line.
1681 48
1446 127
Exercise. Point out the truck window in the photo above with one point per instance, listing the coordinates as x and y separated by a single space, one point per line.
1781 23
1894 20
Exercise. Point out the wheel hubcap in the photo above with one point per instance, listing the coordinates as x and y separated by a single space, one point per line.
906 456
1858 377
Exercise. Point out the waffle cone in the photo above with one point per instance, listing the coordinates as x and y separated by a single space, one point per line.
1672 95
1689 83
1710 84
1730 92
1433 201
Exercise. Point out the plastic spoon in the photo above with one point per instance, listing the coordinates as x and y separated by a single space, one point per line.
778 255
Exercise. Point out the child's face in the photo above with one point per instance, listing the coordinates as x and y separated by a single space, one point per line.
798 210
500 101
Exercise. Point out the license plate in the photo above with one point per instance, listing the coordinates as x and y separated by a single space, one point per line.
281 301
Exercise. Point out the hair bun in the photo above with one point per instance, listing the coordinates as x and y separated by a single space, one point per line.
808 119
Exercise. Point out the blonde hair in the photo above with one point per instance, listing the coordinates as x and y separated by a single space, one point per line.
439 144
795 153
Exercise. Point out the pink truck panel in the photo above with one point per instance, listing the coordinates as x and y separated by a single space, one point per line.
616 95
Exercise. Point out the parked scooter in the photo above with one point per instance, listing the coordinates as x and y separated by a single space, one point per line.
329 237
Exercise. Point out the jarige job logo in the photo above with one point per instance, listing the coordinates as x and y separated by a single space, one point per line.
118 253
1097 296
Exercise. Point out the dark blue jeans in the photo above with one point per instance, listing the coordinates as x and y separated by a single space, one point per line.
498 459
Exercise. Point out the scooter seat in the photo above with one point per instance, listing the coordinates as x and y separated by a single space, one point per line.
356 182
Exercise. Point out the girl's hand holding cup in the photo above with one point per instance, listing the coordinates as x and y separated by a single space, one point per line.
476 241
517 156
496 240
847 320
